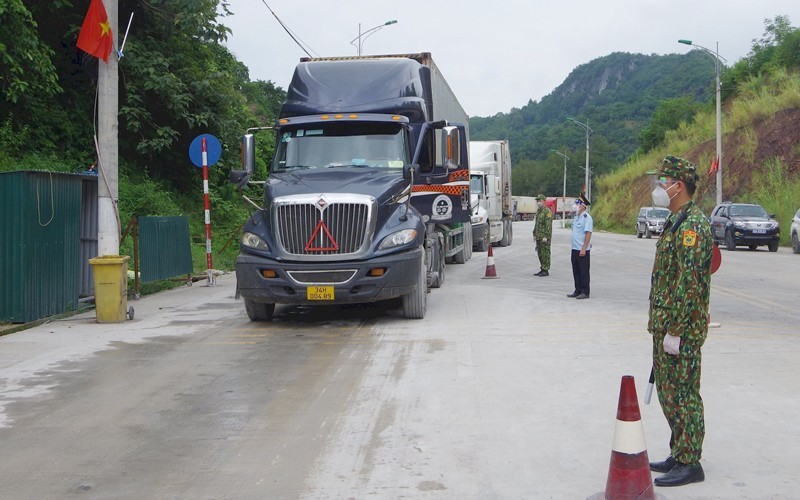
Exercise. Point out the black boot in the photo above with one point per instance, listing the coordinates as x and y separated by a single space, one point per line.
681 474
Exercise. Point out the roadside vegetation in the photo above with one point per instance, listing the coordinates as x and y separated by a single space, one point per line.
761 141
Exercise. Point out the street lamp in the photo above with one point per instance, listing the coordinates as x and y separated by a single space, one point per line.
564 192
717 66
588 180
365 34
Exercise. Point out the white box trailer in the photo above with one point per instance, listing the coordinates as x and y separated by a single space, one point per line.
525 207
491 206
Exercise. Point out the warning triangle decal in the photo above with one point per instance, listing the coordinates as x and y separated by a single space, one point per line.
332 245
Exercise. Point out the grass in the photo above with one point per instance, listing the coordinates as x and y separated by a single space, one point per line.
767 181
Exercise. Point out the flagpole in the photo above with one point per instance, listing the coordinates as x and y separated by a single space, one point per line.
108 231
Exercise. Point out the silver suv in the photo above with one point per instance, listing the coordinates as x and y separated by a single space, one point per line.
650 221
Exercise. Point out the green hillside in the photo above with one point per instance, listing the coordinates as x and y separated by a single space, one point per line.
761 155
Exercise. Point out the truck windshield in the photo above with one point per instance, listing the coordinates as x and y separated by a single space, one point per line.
341 144
476 184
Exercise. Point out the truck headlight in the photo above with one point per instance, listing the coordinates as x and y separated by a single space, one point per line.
251 240
740 225
478 219
397 239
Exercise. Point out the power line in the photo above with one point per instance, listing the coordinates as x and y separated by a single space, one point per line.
289 32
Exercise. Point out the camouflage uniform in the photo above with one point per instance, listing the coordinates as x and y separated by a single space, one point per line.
679 296
541 231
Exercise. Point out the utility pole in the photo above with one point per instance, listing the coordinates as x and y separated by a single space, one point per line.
108 231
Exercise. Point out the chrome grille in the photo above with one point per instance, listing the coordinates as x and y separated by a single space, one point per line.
323 225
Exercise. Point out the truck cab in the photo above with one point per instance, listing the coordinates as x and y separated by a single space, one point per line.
367 191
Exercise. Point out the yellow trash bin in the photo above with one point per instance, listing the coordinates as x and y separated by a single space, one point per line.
110 287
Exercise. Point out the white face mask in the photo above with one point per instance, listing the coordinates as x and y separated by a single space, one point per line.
661 197
540 204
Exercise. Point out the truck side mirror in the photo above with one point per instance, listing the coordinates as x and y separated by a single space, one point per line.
451 147
239 177
249 153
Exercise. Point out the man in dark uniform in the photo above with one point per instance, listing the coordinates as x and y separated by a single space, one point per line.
582 227
678 318
542 235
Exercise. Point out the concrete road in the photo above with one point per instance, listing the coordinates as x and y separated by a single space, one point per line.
506 390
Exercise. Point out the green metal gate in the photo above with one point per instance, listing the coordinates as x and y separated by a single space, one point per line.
164 248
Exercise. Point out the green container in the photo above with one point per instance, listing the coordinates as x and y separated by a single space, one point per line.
40 222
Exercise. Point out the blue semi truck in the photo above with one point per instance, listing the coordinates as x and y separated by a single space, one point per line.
367 195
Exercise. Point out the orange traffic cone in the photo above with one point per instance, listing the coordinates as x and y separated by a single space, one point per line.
629 471
491 272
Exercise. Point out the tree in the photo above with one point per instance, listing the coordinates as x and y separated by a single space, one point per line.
667 116
27 69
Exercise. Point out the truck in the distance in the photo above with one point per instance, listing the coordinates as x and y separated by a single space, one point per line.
490 193
525 207
368 191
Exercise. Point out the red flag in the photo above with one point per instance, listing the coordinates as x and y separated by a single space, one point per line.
714 166
95 37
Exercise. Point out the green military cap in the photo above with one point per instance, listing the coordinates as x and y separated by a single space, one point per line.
677 168
541 197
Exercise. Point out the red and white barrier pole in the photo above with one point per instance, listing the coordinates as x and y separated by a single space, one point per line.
207 209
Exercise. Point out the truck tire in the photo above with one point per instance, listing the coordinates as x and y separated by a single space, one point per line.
467 243
437 265
647 233
773 245
795 243
505 240
461 256
416 302
483 243
259 311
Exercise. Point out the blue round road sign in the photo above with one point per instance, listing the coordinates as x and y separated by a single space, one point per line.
213 150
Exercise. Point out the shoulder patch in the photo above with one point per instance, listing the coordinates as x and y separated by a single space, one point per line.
689 238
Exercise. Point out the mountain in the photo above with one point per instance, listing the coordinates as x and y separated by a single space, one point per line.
616 94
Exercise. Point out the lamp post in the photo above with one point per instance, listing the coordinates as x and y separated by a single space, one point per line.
365 34
588 180
717 66
564 191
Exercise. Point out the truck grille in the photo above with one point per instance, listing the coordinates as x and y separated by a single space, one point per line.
323 225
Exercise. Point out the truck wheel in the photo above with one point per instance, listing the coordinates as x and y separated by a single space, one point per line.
647 233
416 302
773 245
461 256
730 243
505 240
258 311
438 266
483 244
795 243
638 234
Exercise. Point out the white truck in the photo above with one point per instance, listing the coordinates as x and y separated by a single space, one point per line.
492 209
525 207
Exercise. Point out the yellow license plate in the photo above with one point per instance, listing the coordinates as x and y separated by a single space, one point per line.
319 293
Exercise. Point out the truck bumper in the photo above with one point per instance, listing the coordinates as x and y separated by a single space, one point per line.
350 279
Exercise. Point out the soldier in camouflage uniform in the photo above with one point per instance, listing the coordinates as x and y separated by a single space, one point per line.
542 235
679 295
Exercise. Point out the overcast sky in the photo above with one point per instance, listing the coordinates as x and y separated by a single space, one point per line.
496 55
